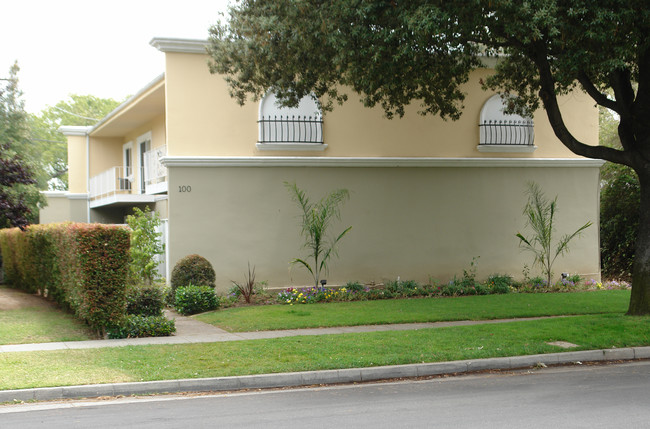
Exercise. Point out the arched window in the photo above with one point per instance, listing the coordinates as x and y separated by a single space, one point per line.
504 132
290 125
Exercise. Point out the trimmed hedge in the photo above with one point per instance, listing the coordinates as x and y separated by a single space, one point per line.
82 267
195 299
136 326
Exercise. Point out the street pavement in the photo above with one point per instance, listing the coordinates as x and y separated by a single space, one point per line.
578 396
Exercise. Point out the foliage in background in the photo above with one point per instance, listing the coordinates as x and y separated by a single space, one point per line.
540 217
83 267
19 196
192 270
620 199
316 219
50 146
146 246
619 220
195 299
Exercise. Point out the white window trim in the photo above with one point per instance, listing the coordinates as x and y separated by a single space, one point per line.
138 179
506 148
126 146
295 147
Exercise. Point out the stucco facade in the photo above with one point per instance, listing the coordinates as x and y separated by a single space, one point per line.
426 198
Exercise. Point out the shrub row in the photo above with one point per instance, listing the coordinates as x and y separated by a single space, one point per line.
394 289
136 326
82 267
496 284
195 299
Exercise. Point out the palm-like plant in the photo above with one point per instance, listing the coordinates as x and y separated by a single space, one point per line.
540 215
316 218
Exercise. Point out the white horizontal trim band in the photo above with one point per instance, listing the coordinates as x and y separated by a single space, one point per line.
302 161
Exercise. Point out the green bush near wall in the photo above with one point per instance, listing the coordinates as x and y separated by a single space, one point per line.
83 267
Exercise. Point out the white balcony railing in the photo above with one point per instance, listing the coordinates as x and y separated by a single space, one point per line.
155 174
111 182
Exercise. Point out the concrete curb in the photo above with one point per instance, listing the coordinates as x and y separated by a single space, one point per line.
297 379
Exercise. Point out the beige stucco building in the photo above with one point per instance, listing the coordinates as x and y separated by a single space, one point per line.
427 195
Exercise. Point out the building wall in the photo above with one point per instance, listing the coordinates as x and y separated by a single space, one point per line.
57 209
416 222
77 174
105 153
204 121
63 207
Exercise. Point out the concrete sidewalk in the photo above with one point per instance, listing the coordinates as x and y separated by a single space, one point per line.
189 331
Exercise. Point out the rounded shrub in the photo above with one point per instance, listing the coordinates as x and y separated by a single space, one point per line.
192 270
195 299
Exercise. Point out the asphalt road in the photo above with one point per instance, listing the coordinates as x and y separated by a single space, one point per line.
603 396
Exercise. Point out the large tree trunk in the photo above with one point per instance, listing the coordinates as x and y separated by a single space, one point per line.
640 299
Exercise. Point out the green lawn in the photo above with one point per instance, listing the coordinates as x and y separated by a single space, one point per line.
70 367
40 325
272 317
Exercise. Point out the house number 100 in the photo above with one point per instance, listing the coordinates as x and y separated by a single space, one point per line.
185 188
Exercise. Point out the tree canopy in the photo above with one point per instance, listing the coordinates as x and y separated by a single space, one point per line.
19 197
397 52
50 146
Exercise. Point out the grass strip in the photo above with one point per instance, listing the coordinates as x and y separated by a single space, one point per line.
40 325
165 362
273 317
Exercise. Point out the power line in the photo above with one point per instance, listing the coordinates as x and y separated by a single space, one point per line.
74 114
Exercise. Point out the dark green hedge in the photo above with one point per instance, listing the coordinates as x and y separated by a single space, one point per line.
83 267
137 326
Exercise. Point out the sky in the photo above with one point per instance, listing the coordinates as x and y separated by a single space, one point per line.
93 47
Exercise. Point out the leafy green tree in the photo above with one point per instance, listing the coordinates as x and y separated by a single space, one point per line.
145 246
19 197
393 53
619 219
51 146
540 217
316 219
619 206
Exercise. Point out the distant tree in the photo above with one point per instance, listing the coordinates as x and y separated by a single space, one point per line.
145 246
395 52
619 207
51 146
19 197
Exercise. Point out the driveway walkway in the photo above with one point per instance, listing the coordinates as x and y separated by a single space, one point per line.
189 330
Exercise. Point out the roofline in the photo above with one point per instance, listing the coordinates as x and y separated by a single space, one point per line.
126 103
74 130
186 46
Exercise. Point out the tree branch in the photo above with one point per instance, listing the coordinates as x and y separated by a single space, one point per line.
549 98
594 93
622 85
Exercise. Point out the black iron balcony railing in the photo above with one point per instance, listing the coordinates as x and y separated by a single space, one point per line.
516 133
294 129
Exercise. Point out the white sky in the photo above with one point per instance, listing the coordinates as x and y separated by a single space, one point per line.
93 47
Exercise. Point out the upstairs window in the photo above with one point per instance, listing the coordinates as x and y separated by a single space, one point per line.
503 132
299 126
